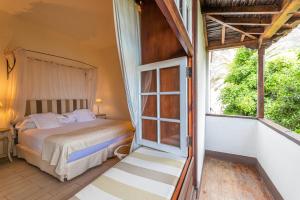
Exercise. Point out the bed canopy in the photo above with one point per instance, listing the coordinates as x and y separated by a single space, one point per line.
37 76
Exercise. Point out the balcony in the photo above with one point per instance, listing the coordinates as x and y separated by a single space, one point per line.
256 143
246 157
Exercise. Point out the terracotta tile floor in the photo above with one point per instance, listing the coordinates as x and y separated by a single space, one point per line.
223 180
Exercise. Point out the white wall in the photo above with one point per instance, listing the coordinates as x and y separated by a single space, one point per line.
231 135
280 158
201 96
278 155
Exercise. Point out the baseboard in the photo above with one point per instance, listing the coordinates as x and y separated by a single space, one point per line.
268 182
232 157
251 161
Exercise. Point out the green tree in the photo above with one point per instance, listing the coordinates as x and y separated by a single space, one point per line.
239 94
282 88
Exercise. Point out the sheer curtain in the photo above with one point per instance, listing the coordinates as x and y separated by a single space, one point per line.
91 81
34 78
47 80
17 88
128 40
54 81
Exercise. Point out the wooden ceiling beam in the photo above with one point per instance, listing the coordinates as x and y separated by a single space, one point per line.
288 9
213 45
292 20
243 10
223 34
249 21
250 30
255 33
205 30
218 20
246 24
243 37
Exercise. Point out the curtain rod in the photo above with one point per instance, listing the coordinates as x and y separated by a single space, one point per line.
61 57
48 61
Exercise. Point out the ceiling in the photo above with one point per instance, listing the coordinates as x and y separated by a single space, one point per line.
252 23
86 22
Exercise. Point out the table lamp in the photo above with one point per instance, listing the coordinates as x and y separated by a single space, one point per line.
98 102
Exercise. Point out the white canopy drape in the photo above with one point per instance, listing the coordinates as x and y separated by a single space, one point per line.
128 40
17 88
33 78
53 81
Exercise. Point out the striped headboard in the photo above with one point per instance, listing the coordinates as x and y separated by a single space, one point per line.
56 106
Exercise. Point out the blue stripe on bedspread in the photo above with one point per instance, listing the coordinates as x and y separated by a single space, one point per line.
93 149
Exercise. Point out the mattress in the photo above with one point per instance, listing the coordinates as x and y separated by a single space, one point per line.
34 138
98 147
144 174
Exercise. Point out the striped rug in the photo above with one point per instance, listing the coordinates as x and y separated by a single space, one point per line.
145 174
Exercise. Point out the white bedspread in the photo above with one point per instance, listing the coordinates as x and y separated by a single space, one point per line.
56 144
34 138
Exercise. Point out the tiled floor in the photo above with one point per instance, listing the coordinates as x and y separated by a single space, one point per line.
21 181
223 180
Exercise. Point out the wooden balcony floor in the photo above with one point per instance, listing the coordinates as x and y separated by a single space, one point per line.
223 180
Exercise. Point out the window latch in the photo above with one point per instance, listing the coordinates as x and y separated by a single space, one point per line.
189 72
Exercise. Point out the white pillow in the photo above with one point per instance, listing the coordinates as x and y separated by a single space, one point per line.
45 120
67 118
84 115
27 123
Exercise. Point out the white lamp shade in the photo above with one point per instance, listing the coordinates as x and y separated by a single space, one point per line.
98 101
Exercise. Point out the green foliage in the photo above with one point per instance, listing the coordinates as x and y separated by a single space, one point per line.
239 95
282 88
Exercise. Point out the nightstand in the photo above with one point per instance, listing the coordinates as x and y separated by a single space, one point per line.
101 115
6 133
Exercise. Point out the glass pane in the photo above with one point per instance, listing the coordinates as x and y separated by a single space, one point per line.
170 133
149 130
181 7
170 106
148 81
149 105
169 79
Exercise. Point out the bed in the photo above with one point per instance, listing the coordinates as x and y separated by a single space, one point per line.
69 150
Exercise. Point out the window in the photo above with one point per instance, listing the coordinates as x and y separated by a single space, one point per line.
185 10
233 79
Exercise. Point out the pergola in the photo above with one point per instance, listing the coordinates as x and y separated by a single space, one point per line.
251 23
